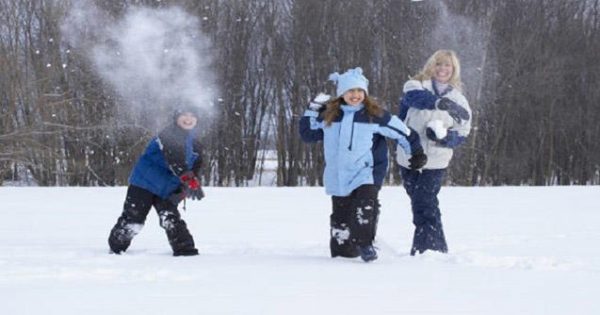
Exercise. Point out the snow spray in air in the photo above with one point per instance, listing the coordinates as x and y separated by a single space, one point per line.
155 59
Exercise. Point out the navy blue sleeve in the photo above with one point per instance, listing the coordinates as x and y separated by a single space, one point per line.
452 140
403 109
420 99
415 141
306 133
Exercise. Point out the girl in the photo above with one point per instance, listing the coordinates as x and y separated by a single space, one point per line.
165 174
435 107
352 127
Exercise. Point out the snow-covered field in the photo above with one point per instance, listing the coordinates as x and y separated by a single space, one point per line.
513 250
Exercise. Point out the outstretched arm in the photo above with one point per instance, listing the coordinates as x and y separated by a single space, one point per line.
392 127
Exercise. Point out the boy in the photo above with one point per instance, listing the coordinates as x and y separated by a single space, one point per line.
165 174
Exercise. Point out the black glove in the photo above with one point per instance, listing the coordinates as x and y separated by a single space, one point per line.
319 102
454 110
431 135
417 160
194 194
191 186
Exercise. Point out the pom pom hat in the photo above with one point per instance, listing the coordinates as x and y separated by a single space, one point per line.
351 79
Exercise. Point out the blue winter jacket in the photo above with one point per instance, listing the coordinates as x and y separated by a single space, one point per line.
355 148
167 156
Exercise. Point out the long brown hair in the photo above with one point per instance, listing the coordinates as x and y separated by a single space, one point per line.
334 107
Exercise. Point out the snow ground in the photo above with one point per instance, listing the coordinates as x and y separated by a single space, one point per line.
513 250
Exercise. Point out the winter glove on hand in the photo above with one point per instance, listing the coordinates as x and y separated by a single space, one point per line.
319 102
454 110
197 194
417 160
431 135
191 186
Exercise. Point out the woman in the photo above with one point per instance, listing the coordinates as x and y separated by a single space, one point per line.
434 106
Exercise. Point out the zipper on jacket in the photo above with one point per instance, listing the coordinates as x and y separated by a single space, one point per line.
351 135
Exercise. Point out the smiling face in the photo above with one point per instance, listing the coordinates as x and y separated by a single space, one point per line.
187 121
443 70
354 97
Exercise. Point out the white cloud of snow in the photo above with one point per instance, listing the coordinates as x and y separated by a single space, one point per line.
151 57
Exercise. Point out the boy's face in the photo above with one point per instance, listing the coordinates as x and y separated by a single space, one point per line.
354 96
187 121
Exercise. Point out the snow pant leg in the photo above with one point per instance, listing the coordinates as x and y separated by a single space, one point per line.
423 188
179 236
365 213
340 243
135 210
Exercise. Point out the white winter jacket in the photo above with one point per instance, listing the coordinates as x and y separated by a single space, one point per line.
438 157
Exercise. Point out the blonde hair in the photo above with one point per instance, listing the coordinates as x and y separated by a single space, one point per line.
333 109
441 55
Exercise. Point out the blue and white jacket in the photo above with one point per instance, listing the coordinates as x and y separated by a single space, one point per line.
418 108
168 155
355 148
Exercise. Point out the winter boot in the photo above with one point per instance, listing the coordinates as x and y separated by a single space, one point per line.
429 237
186 252
346 250
368 253
363 224
179 236
340 244
121 235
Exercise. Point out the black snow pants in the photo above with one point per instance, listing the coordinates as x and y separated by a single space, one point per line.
137 206
353 221
423 187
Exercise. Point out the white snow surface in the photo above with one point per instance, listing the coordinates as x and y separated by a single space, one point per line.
513 250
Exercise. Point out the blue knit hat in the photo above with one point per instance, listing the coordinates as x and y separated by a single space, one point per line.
351 79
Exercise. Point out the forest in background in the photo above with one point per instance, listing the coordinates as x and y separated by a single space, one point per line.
530 69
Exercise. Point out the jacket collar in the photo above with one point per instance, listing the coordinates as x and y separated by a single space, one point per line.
350 108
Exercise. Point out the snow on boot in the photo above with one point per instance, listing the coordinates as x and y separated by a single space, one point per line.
179 236
346 250
121 235
340 244
368 253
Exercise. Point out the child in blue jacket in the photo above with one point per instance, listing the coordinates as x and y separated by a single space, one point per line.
435 107
353 128
166 173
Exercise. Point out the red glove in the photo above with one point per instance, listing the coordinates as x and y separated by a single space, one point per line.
191 185
190 180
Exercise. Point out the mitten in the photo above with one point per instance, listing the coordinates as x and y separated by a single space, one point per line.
414 141
435 131
191 186
318 103
197 194
431 134
417 160
457 112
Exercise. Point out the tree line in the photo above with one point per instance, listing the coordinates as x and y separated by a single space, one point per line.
529 68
